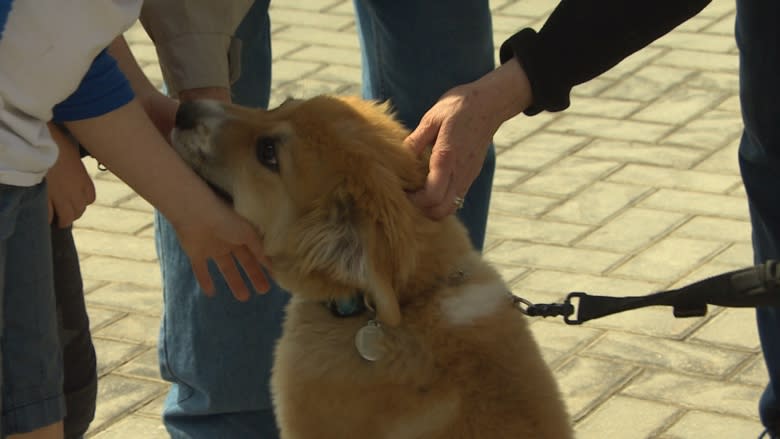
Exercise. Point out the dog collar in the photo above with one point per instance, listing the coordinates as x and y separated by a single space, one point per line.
347 306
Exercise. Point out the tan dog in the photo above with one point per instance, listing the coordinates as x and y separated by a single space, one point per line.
326 180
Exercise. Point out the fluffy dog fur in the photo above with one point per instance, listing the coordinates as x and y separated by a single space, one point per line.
326 179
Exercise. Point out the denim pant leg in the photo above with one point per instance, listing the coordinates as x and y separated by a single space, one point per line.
78 352
30 356
217 352
413 52
758 38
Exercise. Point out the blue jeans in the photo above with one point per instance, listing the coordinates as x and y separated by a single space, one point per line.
758 38
218 352
31 376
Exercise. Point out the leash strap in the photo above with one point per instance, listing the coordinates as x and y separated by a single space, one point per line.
745 288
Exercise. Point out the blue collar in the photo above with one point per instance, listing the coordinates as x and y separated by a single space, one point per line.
347 306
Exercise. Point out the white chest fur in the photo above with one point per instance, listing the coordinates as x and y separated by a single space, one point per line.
473 301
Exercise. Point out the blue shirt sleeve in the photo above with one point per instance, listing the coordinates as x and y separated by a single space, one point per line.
103 89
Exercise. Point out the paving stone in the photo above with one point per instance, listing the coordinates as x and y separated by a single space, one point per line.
282 50
632 229
698 42
657 176
597 203
538 150
603 107
715 81
290 70
155 407
118 395
330 55
558 340
510 203
696 393
137 203
586 382
111 193
308 19
555 257
617 419
548 232
503 179
566 177
135 427
636 152
715 229
113 220
609 128
676 355
754 373
647 83
308 5
724 160
691 59
116 245
654 321
319 37
712 130
668 259
724 26
731 327
697 203
138 329
509 272
696 424
112 354
529 8
739 255
591 88
634 62
678 105
99 317
145 366
128 297
122 270
339 74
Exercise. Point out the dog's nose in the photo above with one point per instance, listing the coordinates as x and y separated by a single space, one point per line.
187 115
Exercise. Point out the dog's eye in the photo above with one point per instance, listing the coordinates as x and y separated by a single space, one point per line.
266 152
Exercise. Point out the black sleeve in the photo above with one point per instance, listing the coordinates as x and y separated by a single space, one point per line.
583 39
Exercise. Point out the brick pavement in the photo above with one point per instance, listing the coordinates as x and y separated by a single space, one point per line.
633 189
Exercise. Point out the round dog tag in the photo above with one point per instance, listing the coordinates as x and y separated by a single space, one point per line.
368 341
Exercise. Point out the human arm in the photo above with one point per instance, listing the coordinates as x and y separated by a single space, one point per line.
195 42
579 41
70 188
113 126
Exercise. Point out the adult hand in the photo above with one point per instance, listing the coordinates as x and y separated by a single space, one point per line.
70 188
460 126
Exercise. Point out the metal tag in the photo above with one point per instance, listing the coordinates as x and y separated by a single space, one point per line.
368 341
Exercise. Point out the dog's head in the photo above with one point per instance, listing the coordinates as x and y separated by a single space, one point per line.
325 180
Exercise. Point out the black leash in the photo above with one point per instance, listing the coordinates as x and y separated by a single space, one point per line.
745 288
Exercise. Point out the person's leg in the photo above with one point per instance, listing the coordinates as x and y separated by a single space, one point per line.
758 38
78 352
413 52
33 404
217 352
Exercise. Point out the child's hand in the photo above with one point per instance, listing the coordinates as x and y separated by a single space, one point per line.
161 110
70 189
222 235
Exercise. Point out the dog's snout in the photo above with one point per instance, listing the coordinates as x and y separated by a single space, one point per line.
187 116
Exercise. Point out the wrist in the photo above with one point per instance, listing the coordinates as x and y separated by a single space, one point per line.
510 89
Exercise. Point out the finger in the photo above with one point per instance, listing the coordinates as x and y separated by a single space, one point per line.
65 215
227 266
438 181
422 136
51 211
201 271
252 269
447 207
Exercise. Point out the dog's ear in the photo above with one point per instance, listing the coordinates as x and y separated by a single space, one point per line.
346 238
